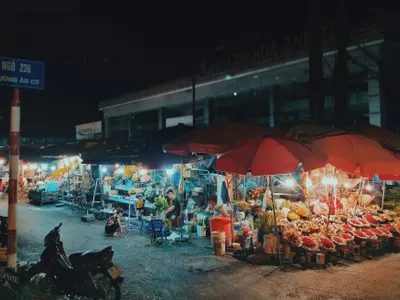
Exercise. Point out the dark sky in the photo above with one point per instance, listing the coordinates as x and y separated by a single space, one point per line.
93 50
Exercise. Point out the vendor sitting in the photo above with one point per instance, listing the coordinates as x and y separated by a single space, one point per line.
174 211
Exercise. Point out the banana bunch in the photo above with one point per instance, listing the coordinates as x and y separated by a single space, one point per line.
57 175
128 171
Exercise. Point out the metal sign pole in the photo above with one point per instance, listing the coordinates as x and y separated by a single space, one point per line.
17 73
14 172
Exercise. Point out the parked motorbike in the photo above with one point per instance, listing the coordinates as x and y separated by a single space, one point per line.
90 274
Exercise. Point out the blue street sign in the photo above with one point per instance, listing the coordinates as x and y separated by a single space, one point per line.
21 73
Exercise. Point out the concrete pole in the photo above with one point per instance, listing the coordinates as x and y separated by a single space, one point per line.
316 71
194 98
13 183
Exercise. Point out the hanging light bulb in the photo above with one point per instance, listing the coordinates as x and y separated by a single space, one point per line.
290 183
143 172
368 187
346 185
308 183
329 181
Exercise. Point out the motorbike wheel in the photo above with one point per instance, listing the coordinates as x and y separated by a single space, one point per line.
74 203
104 279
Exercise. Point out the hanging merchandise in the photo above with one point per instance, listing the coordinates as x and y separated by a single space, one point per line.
229 184
224 193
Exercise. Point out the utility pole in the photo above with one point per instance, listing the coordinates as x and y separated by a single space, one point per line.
340 72
316 72
194 96
14 173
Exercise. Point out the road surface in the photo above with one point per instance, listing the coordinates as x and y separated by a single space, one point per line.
192 272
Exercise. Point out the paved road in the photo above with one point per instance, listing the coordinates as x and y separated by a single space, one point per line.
191 272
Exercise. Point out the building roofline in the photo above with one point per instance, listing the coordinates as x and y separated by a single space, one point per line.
185 84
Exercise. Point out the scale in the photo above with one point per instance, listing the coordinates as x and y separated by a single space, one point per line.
89 216
132 227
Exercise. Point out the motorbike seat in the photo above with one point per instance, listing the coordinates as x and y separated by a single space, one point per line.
77 257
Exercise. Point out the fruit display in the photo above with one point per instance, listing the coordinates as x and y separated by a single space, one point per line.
309 244
355 223
346 236
128 171
57 175
326 244
339 241
293 216
370 235
303 213
359 234
388 227
371 220
382 232
347 228
364 223
293 236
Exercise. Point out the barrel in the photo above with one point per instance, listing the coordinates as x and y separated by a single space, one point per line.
228 242
218 242
270 244
397 243
320 258
213 234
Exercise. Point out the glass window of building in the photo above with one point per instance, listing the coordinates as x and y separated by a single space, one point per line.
118 127
143 122
246 107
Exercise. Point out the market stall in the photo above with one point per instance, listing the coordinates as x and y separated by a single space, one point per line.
334 215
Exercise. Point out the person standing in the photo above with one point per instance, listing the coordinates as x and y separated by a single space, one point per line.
2 188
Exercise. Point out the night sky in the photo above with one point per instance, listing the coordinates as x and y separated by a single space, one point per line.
96 50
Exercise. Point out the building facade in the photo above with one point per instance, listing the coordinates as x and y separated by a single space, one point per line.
268 86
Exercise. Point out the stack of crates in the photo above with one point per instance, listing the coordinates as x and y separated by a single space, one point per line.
3 232
3 238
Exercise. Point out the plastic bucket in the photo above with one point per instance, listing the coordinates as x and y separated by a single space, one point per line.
218 242
221 224
201 230
228 242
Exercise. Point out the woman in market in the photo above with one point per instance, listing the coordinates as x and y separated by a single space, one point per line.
113 225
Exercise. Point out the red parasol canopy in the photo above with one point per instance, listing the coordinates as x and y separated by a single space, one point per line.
215 139
388 139
353 153
268 156
356 154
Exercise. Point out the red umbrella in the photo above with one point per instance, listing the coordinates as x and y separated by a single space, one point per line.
268 156
352 153
388 139
215 139
356 154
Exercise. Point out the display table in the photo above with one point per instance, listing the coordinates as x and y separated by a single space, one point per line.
40 198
